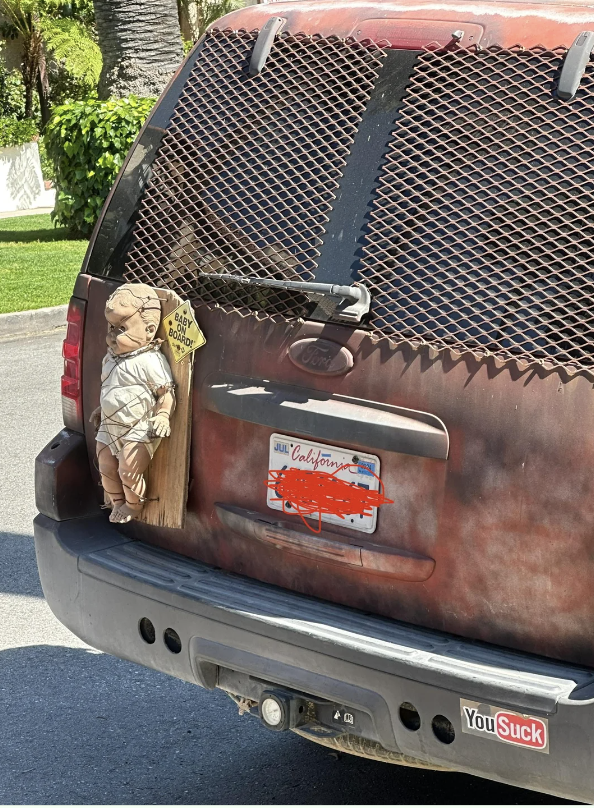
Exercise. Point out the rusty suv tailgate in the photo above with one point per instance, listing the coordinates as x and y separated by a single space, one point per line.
427 156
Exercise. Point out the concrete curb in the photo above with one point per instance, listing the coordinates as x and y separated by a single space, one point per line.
35 321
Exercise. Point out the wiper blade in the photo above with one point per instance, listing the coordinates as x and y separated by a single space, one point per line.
356 299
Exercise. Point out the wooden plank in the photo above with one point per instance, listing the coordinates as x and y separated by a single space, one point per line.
167 475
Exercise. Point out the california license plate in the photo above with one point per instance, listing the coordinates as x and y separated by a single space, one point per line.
332 465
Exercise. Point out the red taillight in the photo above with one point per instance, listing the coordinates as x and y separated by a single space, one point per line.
72 353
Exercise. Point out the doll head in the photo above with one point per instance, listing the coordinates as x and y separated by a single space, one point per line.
133 314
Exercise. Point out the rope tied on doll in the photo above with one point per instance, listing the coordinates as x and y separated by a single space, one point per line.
136 398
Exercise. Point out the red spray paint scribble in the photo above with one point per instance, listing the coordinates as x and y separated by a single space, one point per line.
322 492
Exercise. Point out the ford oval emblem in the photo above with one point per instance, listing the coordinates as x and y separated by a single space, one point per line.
321 356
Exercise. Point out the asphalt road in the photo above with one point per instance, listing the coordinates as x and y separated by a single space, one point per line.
77 726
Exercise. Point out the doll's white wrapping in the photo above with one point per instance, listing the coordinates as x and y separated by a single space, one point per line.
129 385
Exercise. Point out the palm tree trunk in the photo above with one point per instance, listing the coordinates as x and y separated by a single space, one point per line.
29 85
30 63
43 87
140 41
190 19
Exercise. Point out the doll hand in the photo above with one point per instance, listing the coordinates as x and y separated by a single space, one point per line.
161 426
95 418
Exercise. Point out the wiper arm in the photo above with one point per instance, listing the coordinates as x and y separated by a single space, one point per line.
356 299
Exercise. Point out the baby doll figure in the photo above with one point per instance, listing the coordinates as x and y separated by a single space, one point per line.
137 398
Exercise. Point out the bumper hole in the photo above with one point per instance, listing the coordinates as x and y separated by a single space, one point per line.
54 445
147 630
443 729
409 715
172 640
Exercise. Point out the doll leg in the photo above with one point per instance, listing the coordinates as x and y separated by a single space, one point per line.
134 460
110 478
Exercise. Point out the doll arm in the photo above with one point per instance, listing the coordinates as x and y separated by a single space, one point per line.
163 409
95 418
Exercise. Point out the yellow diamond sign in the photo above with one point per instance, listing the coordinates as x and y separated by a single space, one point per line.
183 333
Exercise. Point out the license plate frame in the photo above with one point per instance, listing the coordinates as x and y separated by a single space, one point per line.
290 452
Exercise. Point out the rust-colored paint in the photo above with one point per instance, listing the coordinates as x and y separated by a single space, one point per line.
514 23
507 518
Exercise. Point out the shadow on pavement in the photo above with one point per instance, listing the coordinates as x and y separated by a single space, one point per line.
81 727
18 567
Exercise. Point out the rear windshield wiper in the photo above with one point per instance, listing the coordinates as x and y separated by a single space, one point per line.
355 299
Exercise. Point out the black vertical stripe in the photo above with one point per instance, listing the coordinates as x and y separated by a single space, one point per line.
340 255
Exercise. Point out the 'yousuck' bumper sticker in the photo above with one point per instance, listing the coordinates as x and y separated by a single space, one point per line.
504 725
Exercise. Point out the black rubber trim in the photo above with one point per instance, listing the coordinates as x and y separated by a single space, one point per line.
101 584
341 250
109 245
64 488
264 44
574 65
433 657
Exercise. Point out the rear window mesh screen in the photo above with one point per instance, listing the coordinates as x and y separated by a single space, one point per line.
481 234
247 171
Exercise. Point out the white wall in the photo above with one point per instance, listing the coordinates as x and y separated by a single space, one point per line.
11 51
21 181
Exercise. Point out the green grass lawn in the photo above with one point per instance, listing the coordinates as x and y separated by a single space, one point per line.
38 263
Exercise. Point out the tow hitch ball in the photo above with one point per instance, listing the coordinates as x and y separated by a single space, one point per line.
280 710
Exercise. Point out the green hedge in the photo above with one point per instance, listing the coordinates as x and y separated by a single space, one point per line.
15 133
87 142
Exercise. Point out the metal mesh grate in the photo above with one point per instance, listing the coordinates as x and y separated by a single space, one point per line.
246 173
481 235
